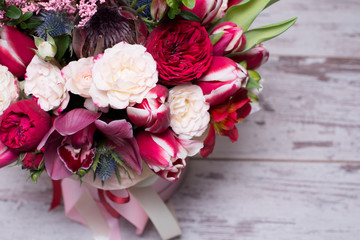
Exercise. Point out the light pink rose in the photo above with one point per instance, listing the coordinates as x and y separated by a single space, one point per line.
122 76
189 116
78 76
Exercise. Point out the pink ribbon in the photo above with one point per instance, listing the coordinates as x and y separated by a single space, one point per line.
80 201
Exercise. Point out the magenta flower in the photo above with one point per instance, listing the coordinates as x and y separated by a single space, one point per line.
152 113
119 134
223 79
165 153
15 50
68 144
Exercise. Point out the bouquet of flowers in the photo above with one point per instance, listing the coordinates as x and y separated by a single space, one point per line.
111 93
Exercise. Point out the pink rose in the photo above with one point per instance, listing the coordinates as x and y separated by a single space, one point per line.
15 50
182 50
231 40
165 153
23 125
223 78
152 113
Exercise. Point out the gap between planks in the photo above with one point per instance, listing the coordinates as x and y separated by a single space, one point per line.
275 160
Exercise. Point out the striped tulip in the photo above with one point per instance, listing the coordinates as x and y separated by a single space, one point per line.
7 156
15 50
254 57
223 78
232 38
158 9
165 153
209 11
152 113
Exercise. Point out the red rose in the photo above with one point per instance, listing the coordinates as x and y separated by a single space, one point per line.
23 125
182 50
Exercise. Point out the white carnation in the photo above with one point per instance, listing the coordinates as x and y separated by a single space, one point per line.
44 81
8 89
122 76
189 116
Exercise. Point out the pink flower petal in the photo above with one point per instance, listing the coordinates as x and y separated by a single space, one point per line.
75 120
209 143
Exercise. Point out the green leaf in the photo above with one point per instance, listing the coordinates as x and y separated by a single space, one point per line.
254 75
271 3
254 78
33 23
215 37
189 3
23 25
12 23
62 43
13 12
173 12
173 3
244 14
261 34
38 41
244 64
190 16
26 16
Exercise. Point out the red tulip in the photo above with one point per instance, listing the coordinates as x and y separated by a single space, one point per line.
15 50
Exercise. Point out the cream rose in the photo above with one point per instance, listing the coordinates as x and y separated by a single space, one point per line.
78 76
122 76
44 81
189 116
9 90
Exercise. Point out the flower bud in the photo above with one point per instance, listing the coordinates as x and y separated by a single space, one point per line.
45 49
158 9
254 57
223 78
232 38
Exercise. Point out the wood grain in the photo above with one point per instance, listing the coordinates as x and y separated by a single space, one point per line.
310 110
219 200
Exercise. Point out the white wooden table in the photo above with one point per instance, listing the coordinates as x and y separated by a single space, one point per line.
293 174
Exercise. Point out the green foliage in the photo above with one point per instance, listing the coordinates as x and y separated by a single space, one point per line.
17 18
190 16
254 78
244 14
189 3
215 37
261 34
62 43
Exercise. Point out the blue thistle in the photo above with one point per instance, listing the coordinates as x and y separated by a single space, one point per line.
106 166
146 11
54 24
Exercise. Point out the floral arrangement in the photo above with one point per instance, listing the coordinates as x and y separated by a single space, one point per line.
111 92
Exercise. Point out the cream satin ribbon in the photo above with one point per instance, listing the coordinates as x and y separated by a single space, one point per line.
82 205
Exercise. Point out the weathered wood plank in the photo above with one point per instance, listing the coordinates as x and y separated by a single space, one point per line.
310 110
218 200
325 28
